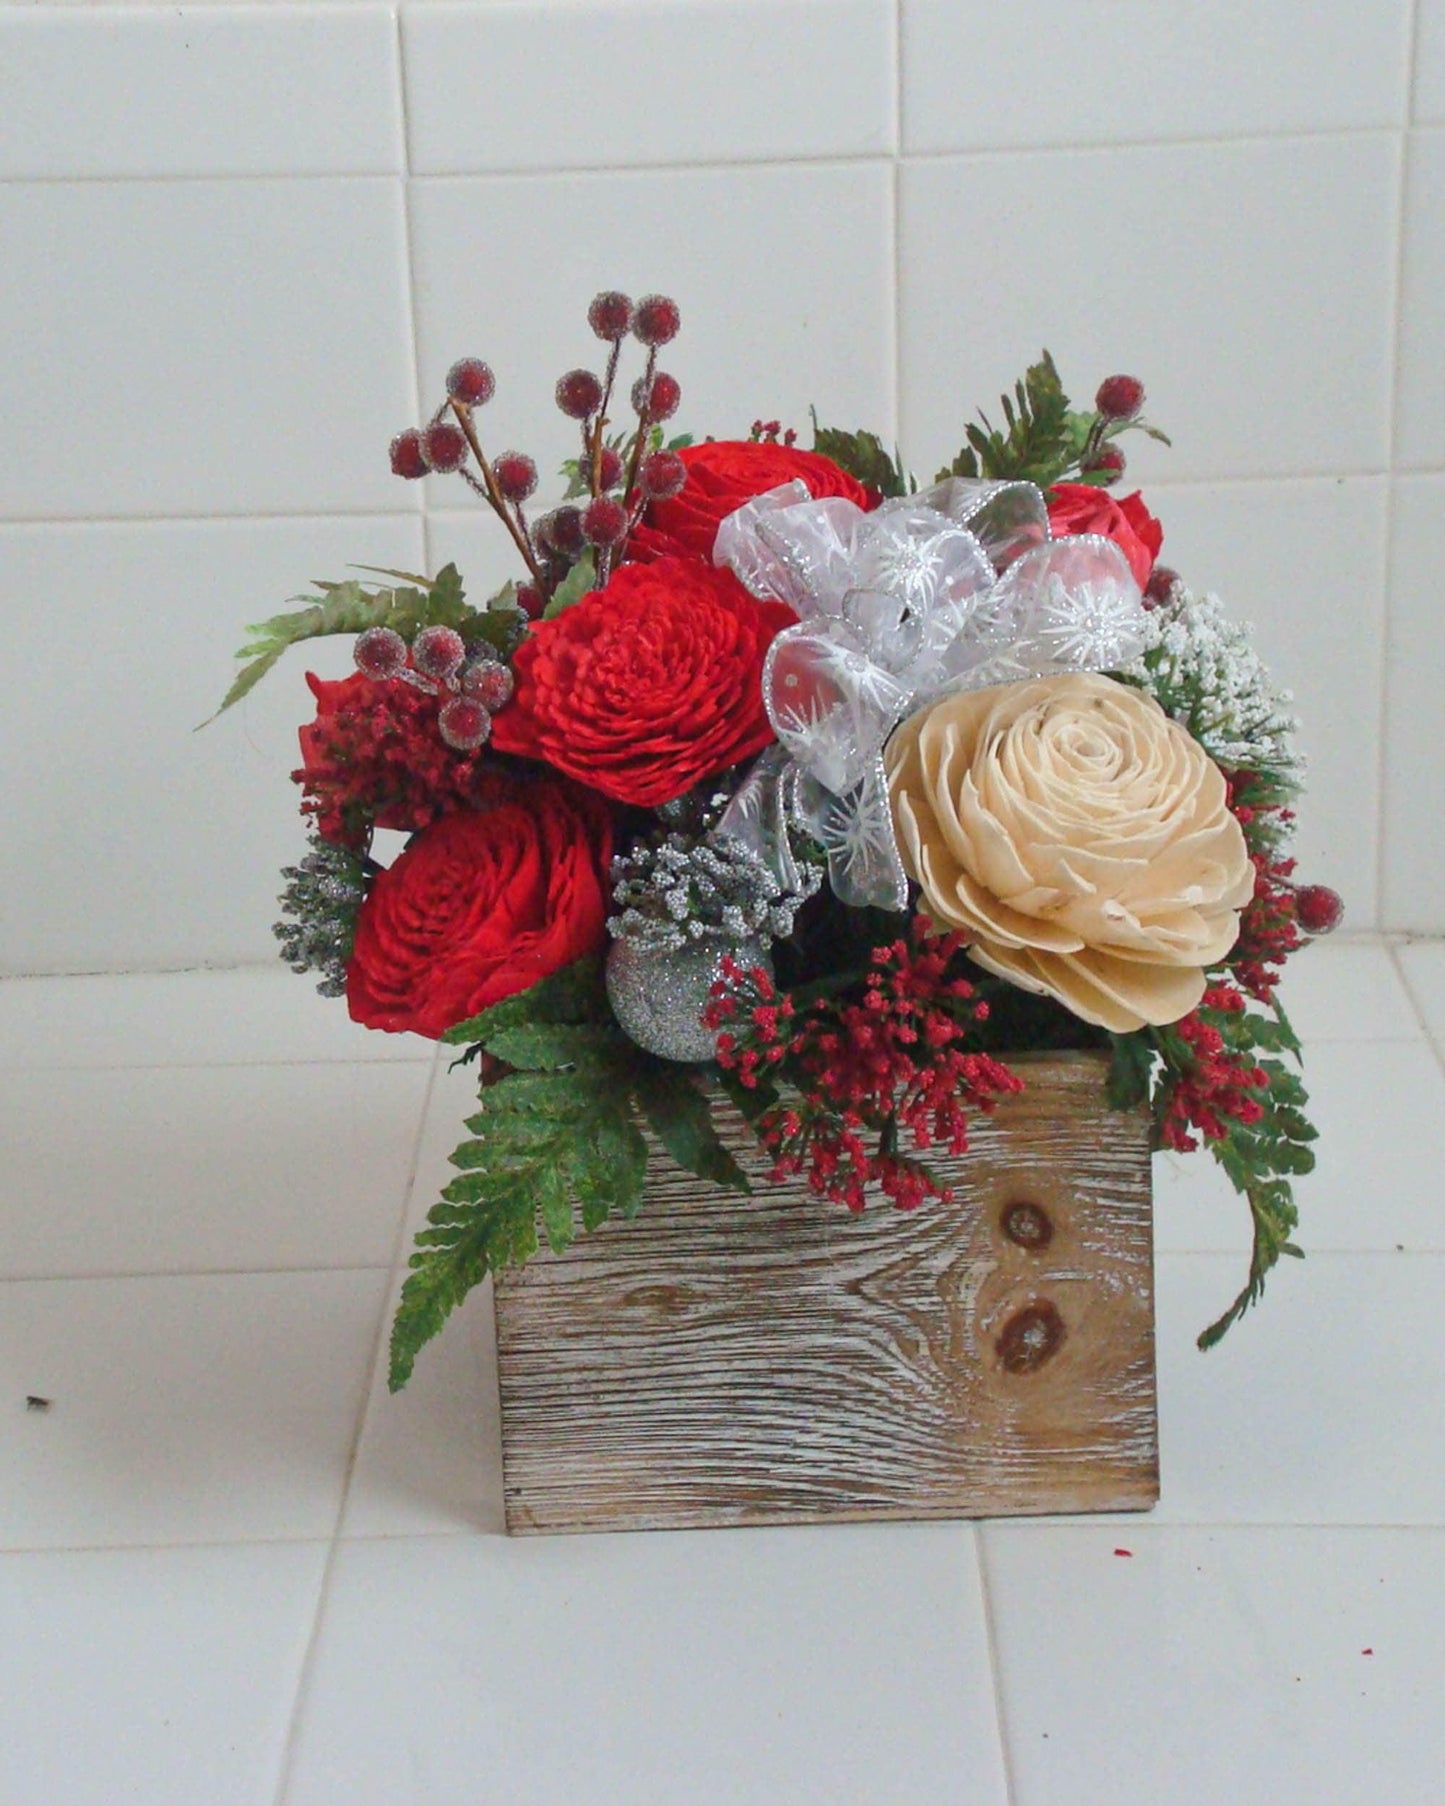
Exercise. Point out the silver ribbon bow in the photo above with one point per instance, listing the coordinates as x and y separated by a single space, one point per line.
955 588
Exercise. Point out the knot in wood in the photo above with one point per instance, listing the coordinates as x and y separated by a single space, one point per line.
1027 1224
1030 1337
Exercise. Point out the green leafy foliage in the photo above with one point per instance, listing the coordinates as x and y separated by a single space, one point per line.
863 456
557 1136
349 607
1260 1158
580 581
1040 439
1130 1070
1043 439
680 1118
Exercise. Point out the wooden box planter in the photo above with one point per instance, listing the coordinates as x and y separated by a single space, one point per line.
771 1359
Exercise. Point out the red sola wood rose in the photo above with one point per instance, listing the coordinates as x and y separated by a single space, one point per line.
648 686
483 903
723 474
1080 508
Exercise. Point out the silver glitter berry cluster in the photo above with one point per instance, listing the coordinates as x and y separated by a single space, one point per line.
1203 669
678 891
319 904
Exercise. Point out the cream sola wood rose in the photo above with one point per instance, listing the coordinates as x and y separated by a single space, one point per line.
1078 837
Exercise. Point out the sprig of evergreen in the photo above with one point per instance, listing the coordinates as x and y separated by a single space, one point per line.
1043 439
864 456
349 607
558 1134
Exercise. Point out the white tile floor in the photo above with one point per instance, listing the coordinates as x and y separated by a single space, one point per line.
235 1572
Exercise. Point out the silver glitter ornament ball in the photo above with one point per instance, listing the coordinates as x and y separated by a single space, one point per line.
658 997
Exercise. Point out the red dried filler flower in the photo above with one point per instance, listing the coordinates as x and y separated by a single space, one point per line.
374 754
895 1060
482 904
648 686
1222 1087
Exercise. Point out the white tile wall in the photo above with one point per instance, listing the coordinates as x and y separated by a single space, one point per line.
1248 282
241 242
1414 867
1043 73
209 91
818 234
1430 63
573 83
1302 561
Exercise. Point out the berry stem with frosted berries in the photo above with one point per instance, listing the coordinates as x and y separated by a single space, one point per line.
488 490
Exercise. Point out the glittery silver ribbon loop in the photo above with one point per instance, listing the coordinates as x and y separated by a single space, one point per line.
830 705
952 589
759 815
1007 518
855 831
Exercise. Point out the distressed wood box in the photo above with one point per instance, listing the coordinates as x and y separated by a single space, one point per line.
770 1359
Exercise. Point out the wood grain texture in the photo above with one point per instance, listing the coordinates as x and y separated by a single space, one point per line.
772 1359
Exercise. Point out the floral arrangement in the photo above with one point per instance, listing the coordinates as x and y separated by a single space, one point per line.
776 777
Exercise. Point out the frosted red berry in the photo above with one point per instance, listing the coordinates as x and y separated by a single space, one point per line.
380 653
444 447
564 531
1160 586
657 398
609 468
464 724
656 320
1108 462
489 682
406 455
530 600
610 314
663 475
604 521
516 475
438 652
1120 397
471 382
579 394
1318 909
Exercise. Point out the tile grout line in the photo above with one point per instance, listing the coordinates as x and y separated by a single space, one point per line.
1418 1009
306 1676
895 194
99 522
1383 836
1024 1525
990 1626
676 165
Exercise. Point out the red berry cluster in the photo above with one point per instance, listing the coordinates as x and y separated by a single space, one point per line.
1117 406
552 546
1219 1087
861 1071
770 432
437 662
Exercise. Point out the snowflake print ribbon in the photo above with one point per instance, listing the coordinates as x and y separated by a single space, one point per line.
952 589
